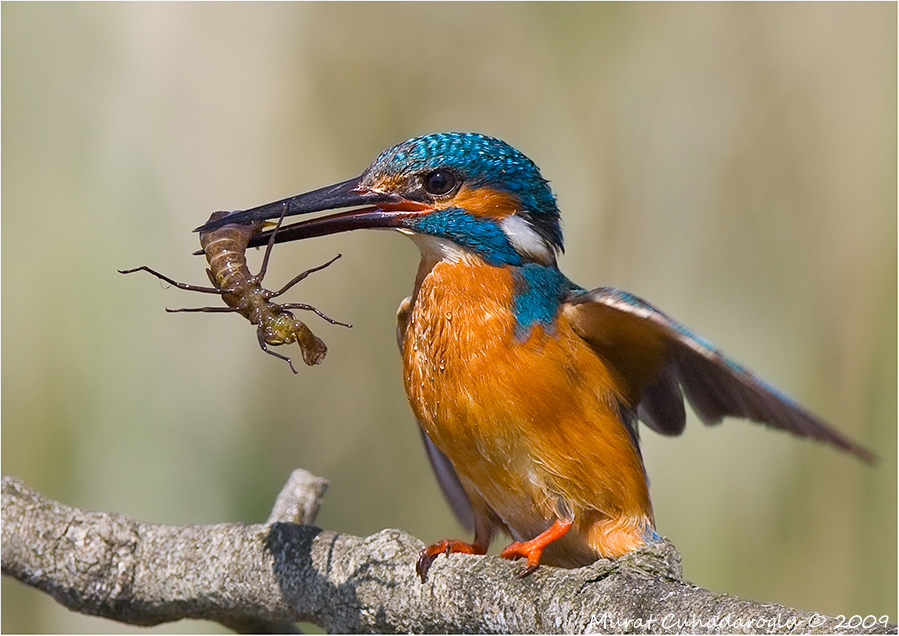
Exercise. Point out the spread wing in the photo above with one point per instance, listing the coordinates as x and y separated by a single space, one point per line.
660 361
443 469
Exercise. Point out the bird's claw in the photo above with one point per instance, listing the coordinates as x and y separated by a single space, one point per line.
532 550
529 569
520 550
427 556
423 564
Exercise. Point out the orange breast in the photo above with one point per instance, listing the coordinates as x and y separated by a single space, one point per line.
527 425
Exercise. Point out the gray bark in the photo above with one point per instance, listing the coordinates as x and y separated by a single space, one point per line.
264 578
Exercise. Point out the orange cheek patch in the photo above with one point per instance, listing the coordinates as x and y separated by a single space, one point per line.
486 202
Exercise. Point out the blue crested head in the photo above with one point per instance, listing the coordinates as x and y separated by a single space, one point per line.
486 195
465 190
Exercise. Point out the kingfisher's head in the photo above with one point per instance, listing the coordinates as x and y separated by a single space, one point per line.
453 192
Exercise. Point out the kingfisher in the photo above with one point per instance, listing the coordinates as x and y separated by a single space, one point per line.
528 388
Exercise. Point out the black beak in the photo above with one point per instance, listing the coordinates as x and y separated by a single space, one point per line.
386 211
343 195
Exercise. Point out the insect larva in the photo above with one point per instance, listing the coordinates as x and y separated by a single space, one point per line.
225 250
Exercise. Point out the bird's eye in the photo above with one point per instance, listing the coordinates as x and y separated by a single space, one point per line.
440 182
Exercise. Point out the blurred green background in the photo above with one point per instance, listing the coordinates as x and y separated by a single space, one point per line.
735 164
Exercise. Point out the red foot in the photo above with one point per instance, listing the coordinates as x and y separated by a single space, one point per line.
533 549
447 546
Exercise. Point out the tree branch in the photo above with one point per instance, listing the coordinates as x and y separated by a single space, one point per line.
267 577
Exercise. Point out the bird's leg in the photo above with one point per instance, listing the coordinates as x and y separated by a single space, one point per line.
427 556
484 529
533 549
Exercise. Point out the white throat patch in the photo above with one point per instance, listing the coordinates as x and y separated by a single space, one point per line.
435 249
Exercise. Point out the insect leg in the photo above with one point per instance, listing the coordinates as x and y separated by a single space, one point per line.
197 288
210 310
314 310
296 279
271 243
261 336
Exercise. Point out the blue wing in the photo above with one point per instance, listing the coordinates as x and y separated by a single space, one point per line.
660 361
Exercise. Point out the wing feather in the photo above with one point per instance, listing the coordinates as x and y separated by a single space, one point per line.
621 328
